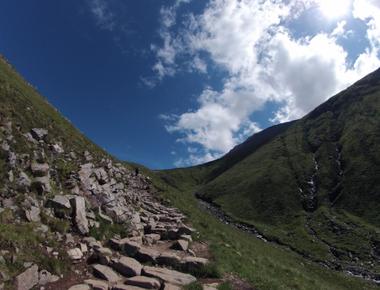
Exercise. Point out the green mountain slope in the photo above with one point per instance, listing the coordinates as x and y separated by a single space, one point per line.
312 184
33 232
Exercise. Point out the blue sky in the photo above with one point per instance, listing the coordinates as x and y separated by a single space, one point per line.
180 82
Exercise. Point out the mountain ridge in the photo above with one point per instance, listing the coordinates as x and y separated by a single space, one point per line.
70 213
312 184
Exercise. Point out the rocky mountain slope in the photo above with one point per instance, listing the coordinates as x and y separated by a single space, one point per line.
312 185
73 217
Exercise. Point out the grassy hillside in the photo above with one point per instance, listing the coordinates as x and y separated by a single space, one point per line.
312 184
265 265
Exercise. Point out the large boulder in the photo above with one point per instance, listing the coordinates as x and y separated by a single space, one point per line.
28 279
128 267
181 245
42 184
171 287
147 255
101 175
151 239
169 259
32 214
79 207
143 282
96 284
169 276
105 273
101 255
75 254
39 169
59 201
23 182
46 277
193 263
39 133
80 287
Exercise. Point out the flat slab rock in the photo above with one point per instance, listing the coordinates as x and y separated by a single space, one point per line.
171 287
144 282
28 279
126 287
169 276
105 273
97 284
128 267
80 287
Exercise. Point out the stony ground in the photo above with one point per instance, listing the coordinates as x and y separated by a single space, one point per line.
77 200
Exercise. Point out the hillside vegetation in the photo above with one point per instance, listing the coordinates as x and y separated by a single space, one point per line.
67 206
312 184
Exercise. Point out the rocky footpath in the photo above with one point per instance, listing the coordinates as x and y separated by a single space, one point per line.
73 200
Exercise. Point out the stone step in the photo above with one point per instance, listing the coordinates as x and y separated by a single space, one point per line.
169 276
126 287
143 282
105 273
127 266
97 284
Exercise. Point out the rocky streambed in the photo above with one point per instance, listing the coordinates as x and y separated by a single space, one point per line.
335 265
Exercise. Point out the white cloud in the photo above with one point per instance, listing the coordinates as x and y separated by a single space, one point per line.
264 62
166 54
103 15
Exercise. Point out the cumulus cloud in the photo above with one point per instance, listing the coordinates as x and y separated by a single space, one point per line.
104 17
251 41
167 52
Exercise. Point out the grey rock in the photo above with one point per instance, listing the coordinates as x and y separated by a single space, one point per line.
101 175
57 148
11 176
143 282
8 202
151 239
171 287
39 169
185 230
12 159
83 247
186 238
30 138
126 287
75 254
42 184
129 247
80 287
39 133
97 284
87 156
168 259
23 181
102 255
5 146
169 276
46 277
128 267
147 255
181 245
28 279
33 214
81 222
193 263
104 217
105 273
59 202
69 239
